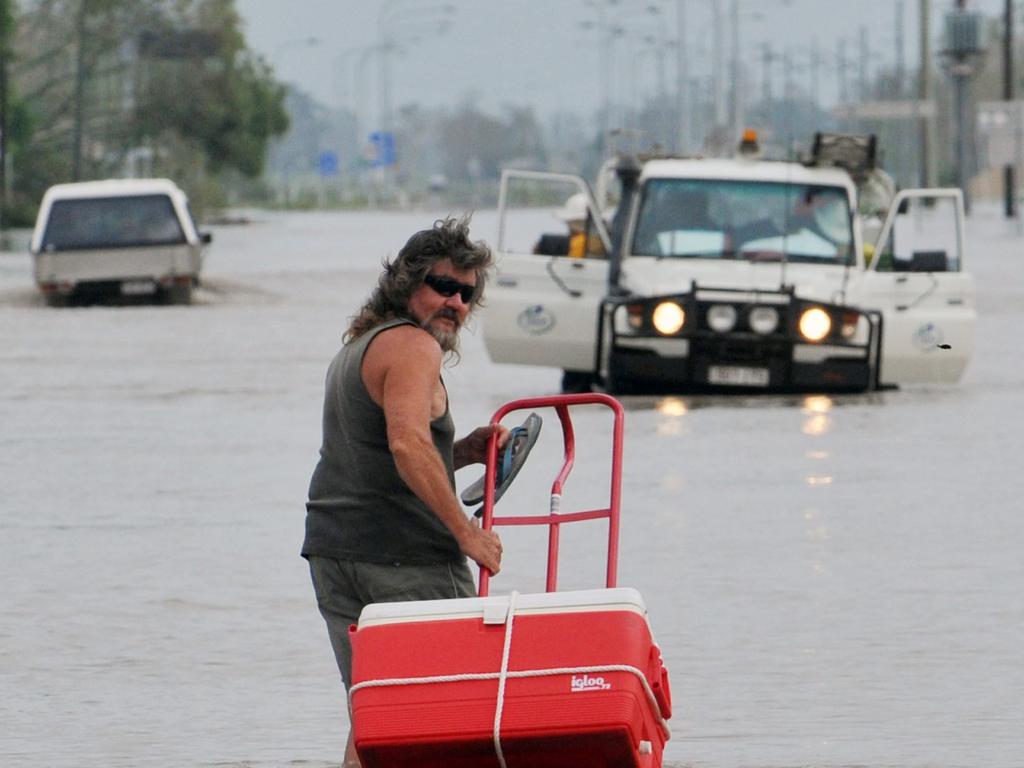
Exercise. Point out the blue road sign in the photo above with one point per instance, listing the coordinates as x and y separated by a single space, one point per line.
327 163
383 144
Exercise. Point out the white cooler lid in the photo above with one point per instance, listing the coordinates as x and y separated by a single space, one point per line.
494 608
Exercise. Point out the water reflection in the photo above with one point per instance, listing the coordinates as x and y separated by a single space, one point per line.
672 406
807 403
817 408
672 409
672 482
814 480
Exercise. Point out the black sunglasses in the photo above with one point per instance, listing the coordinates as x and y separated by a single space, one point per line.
449 286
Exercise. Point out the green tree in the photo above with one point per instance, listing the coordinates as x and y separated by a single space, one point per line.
122 87
6 36
200 82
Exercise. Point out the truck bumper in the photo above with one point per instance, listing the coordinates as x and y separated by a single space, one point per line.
635 356
768 371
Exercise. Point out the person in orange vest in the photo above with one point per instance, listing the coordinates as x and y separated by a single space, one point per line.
584 241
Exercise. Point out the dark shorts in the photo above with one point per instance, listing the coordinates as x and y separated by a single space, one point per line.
344 587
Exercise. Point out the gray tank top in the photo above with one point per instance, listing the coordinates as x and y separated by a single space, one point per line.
359 508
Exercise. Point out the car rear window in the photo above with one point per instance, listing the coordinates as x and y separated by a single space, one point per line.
112 222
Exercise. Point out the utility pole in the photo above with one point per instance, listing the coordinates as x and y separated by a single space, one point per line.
844 90
924 94
719 64
605 65
736 116
682 80
900 64
80 77
962 54
766 75
862 70
788 84
1009 182
815 69
6 33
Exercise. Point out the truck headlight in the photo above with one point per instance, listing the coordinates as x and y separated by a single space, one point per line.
721 317
815 324
848 327
763 320
668 318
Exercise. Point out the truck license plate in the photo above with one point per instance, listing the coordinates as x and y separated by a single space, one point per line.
738 376
138 287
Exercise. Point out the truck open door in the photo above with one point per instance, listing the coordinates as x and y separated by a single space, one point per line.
542 307
917 277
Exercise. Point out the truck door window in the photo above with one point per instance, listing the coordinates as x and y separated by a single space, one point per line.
923 238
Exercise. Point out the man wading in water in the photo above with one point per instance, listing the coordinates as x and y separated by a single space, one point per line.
382 522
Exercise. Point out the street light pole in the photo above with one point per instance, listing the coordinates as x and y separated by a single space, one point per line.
605 76
924 94
718 77
1009 182
900 63
738 102
962 54
682 79
387 43
608 32
767 57
736 116
384 65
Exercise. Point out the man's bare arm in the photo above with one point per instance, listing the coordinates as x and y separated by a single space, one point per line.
401 369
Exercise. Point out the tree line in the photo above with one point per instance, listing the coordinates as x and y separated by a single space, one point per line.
93 89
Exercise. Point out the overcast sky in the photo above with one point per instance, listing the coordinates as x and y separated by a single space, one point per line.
539 53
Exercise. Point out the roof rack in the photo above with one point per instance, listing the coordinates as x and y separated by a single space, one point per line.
854 153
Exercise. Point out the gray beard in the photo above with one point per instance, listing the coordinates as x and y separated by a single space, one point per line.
448 340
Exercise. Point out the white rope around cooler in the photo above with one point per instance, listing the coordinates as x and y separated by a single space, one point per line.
503 675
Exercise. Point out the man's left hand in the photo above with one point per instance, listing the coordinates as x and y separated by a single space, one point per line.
472 449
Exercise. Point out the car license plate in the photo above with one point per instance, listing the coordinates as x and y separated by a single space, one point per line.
738 376
138 287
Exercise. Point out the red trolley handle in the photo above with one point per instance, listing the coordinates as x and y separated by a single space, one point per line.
555 517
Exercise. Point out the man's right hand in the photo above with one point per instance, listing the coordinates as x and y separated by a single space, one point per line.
483 547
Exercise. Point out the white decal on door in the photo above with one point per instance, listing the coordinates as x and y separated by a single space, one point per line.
536 320
928 337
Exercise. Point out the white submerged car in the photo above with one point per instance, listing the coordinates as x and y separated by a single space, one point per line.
744 274
123 237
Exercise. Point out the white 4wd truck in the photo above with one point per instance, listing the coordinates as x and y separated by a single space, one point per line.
127 237
744 274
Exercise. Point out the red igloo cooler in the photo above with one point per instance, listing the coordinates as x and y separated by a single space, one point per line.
551 680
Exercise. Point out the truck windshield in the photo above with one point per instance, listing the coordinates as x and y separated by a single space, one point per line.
753 220
112 222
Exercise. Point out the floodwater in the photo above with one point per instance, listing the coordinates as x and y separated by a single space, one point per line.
834 581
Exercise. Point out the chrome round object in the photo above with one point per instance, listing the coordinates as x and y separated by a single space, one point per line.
721 317
763 320
815 324
668 318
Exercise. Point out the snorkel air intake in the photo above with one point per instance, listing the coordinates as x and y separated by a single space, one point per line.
628 172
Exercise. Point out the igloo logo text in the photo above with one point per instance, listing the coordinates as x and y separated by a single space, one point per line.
587 683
